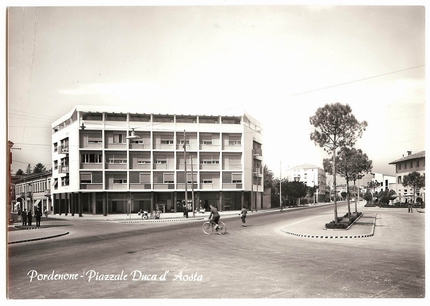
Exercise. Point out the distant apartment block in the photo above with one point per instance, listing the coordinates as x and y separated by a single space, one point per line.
112 160
312 176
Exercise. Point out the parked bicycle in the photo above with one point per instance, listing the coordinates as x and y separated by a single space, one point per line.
209 227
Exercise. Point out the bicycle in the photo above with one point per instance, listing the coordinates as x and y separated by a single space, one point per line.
209 227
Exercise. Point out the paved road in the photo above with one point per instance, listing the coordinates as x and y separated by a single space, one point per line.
176 260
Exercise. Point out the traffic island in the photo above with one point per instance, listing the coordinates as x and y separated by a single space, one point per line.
363 227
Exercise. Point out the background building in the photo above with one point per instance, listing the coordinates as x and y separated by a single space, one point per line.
33 190
405 165
113 160
312 176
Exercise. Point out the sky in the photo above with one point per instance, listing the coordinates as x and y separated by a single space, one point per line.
279 63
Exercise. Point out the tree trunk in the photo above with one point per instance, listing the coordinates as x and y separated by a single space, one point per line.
347 198
335 189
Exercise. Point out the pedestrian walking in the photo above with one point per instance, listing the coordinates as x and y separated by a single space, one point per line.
24 217
410 206
38 215
185 210
243 215
29 217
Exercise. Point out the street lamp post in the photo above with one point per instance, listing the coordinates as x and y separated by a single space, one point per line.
185 172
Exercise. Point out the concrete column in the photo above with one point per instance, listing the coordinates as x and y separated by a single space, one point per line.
104 204
93 203
72 203
152 200
80 204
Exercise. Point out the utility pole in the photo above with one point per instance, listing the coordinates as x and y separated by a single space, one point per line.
280 185
185 171
192 185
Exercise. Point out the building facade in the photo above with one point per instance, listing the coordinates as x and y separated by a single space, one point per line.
33 191
405 165
386 181
117 161
312 176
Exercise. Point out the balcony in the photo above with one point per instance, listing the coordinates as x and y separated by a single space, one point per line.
232 186
64 150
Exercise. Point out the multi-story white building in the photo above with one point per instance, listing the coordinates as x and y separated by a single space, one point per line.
404 166
312 176
112 160
386 181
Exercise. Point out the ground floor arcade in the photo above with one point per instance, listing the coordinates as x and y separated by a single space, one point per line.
131 202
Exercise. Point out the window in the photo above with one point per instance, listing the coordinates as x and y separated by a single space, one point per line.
207 181
118 138
55 147
166 142
65 181
55 164
86 178
117 160
235 143
236 178
137 141
145 178
182 142
189 178
210 162
399 179
91 158
418 162
161 161
143 162
94 139
119 181
168 178
412 165
207 142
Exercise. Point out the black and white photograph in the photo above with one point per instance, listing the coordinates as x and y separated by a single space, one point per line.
223 151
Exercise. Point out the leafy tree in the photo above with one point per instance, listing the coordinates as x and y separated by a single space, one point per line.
39 168
311 192
350 164
344 195
19 172
28 171
335 126
368 197
373 185
361 164
414 180
268 177
296 190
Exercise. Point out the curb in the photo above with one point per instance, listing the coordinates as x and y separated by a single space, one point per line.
334 236
41 238
162 220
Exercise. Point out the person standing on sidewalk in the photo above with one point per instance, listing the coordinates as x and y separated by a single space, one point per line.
38 215
24 217
243 215
29 217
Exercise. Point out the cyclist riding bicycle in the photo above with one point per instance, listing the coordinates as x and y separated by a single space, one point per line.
214 216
